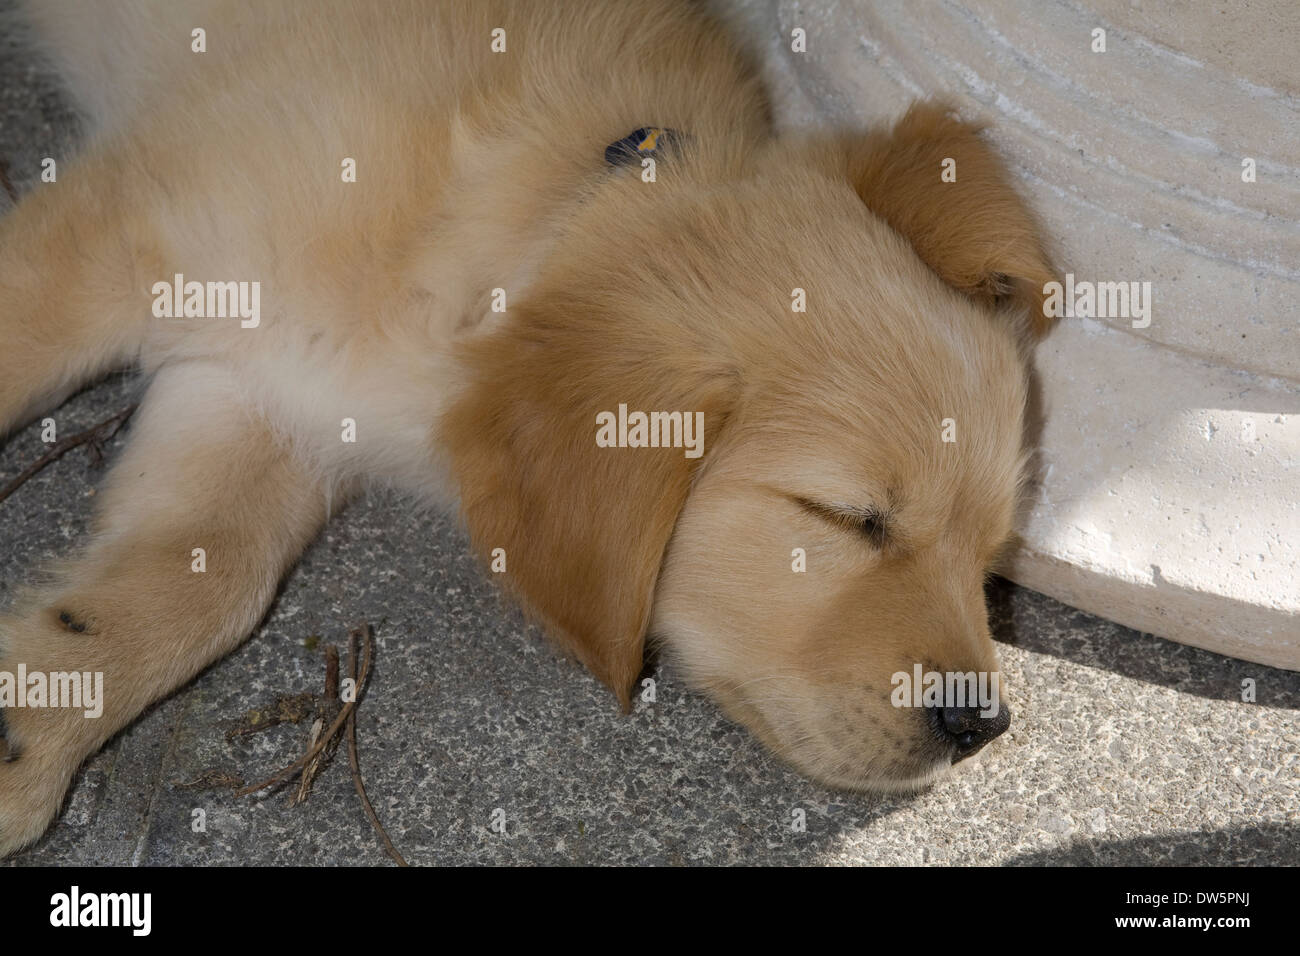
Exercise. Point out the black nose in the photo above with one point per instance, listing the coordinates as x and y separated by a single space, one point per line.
970 731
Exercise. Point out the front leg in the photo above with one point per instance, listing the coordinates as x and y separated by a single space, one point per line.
200 471
77 261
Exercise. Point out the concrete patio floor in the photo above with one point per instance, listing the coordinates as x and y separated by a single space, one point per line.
1125 748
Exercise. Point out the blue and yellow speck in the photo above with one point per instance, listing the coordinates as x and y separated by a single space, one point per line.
640 143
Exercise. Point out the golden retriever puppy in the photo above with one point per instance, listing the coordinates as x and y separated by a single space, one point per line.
756 399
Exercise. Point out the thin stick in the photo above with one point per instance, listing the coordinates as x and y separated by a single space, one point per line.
61 448
309 771
332 673
329 704
282 775
352 748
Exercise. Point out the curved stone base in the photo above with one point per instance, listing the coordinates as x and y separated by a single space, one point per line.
1171 452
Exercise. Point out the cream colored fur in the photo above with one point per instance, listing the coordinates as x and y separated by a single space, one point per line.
479 171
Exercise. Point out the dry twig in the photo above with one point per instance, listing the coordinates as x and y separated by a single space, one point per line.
287 772
352 747
321 744
95 434
326 711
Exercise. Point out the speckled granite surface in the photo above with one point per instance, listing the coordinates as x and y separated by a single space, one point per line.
1125 748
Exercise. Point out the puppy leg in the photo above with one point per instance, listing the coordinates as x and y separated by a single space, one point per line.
199 472
77 261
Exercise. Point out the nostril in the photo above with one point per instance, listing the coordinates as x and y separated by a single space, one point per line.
970 730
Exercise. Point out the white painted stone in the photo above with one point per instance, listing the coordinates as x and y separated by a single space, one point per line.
1170 470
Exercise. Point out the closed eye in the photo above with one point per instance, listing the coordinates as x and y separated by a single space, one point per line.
869 522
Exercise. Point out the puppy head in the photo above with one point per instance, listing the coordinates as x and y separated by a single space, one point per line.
829 537
835 539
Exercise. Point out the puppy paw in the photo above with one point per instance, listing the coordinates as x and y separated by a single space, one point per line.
42 739
34 775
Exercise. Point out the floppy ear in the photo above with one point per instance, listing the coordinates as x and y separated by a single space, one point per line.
975 231
584 528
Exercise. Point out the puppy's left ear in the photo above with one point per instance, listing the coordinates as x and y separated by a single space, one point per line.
974 231
582 528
